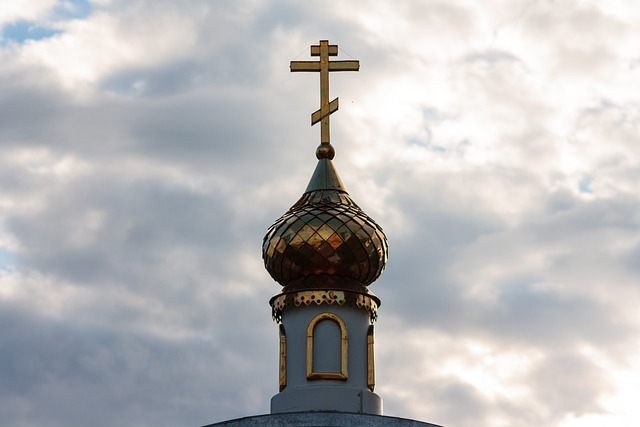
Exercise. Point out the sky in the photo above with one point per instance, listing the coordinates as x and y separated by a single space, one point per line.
148 145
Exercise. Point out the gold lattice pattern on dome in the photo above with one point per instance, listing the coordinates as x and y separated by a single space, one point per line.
325 233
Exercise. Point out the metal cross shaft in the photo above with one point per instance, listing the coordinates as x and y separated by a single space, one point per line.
324 50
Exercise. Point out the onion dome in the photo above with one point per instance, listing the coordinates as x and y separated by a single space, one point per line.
325 241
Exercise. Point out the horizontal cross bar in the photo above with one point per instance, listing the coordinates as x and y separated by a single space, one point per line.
309 66
333 50
305 65
344 65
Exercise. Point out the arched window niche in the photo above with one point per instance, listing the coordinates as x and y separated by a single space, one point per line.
339 341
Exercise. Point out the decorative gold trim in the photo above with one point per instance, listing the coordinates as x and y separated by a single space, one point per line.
319 297
283 358
344 342
371 370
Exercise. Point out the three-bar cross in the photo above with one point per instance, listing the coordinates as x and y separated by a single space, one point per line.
324 50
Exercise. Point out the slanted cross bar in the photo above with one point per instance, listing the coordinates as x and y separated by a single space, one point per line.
324 50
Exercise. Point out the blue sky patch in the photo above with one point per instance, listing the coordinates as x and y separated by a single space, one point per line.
7 259
22 31
584 185
72 9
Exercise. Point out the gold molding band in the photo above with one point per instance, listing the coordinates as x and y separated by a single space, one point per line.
344 349
318 297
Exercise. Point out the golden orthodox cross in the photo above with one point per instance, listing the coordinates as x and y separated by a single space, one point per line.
324 50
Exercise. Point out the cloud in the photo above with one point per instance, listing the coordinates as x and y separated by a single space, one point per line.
18 11
147 147
57 372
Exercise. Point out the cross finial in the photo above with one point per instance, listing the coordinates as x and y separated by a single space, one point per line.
324 50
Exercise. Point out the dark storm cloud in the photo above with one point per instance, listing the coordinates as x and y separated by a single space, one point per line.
442 401
432 286
529 307
59 372
532 317
101 225
24 107
569 382
146 220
